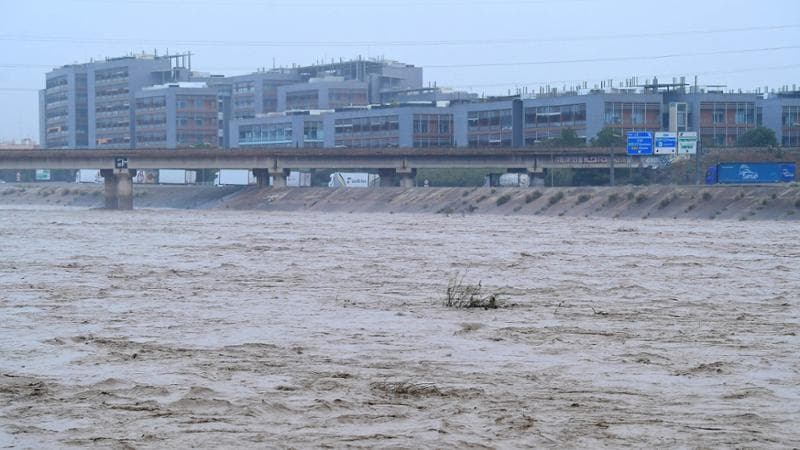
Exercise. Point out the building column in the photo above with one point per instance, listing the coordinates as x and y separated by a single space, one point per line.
124 191
279 177
110 182
262 177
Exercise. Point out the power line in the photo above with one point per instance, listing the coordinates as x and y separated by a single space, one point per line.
18 89
333 4
551 82
610 59
523 63
554 82
420 43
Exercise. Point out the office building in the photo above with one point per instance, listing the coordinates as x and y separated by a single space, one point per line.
177 115
152 101
64 108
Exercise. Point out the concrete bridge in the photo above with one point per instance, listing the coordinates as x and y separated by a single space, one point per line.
397 166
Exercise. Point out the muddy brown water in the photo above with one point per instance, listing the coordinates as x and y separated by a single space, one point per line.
166 328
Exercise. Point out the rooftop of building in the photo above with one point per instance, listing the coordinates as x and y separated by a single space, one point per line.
178 85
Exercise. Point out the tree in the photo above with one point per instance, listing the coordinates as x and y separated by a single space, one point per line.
758 137
609 137
568 138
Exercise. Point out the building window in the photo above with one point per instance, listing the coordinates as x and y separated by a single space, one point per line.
364 125
791 117
719 116
745 114
302 100
613 114
633 115
266 135
313 132
433 130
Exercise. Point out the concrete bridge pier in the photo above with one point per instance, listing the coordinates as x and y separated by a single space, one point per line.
118 188
110 193
407 177
124 191
262 177
537 177
388 177
279 177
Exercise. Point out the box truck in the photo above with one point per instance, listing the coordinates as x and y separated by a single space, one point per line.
234 177
353 179
507 180
751 173
88 176
172 176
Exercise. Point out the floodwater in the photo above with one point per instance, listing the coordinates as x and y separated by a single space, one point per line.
151 329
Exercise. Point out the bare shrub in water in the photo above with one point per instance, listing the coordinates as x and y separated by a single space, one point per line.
463 295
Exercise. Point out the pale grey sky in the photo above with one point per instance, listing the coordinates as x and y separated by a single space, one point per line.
533 41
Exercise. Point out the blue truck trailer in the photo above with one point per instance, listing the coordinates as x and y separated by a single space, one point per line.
751 173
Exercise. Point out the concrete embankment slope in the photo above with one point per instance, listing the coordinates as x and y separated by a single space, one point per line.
779 202
701 202
91 195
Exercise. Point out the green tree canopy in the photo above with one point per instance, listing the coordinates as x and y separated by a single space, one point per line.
568 138
758 137
609 137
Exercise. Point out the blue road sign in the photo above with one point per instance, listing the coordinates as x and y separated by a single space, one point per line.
666 143
640 143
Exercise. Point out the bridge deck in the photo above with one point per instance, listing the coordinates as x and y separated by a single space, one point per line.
306 158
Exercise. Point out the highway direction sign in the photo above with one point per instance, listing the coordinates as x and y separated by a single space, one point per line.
640 143
687 143
666 143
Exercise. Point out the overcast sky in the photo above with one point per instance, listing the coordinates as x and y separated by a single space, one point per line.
510 43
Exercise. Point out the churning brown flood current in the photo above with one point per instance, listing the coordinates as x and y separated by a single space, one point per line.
168 328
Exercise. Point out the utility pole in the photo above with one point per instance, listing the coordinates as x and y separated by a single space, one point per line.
697 162
697 128
611 163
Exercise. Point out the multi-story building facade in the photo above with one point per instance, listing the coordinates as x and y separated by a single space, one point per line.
323 93
112 88
401 126
257 93
177 115
91 105
381 76
493 123
64 108
720 118
143 101
280 131
781 112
